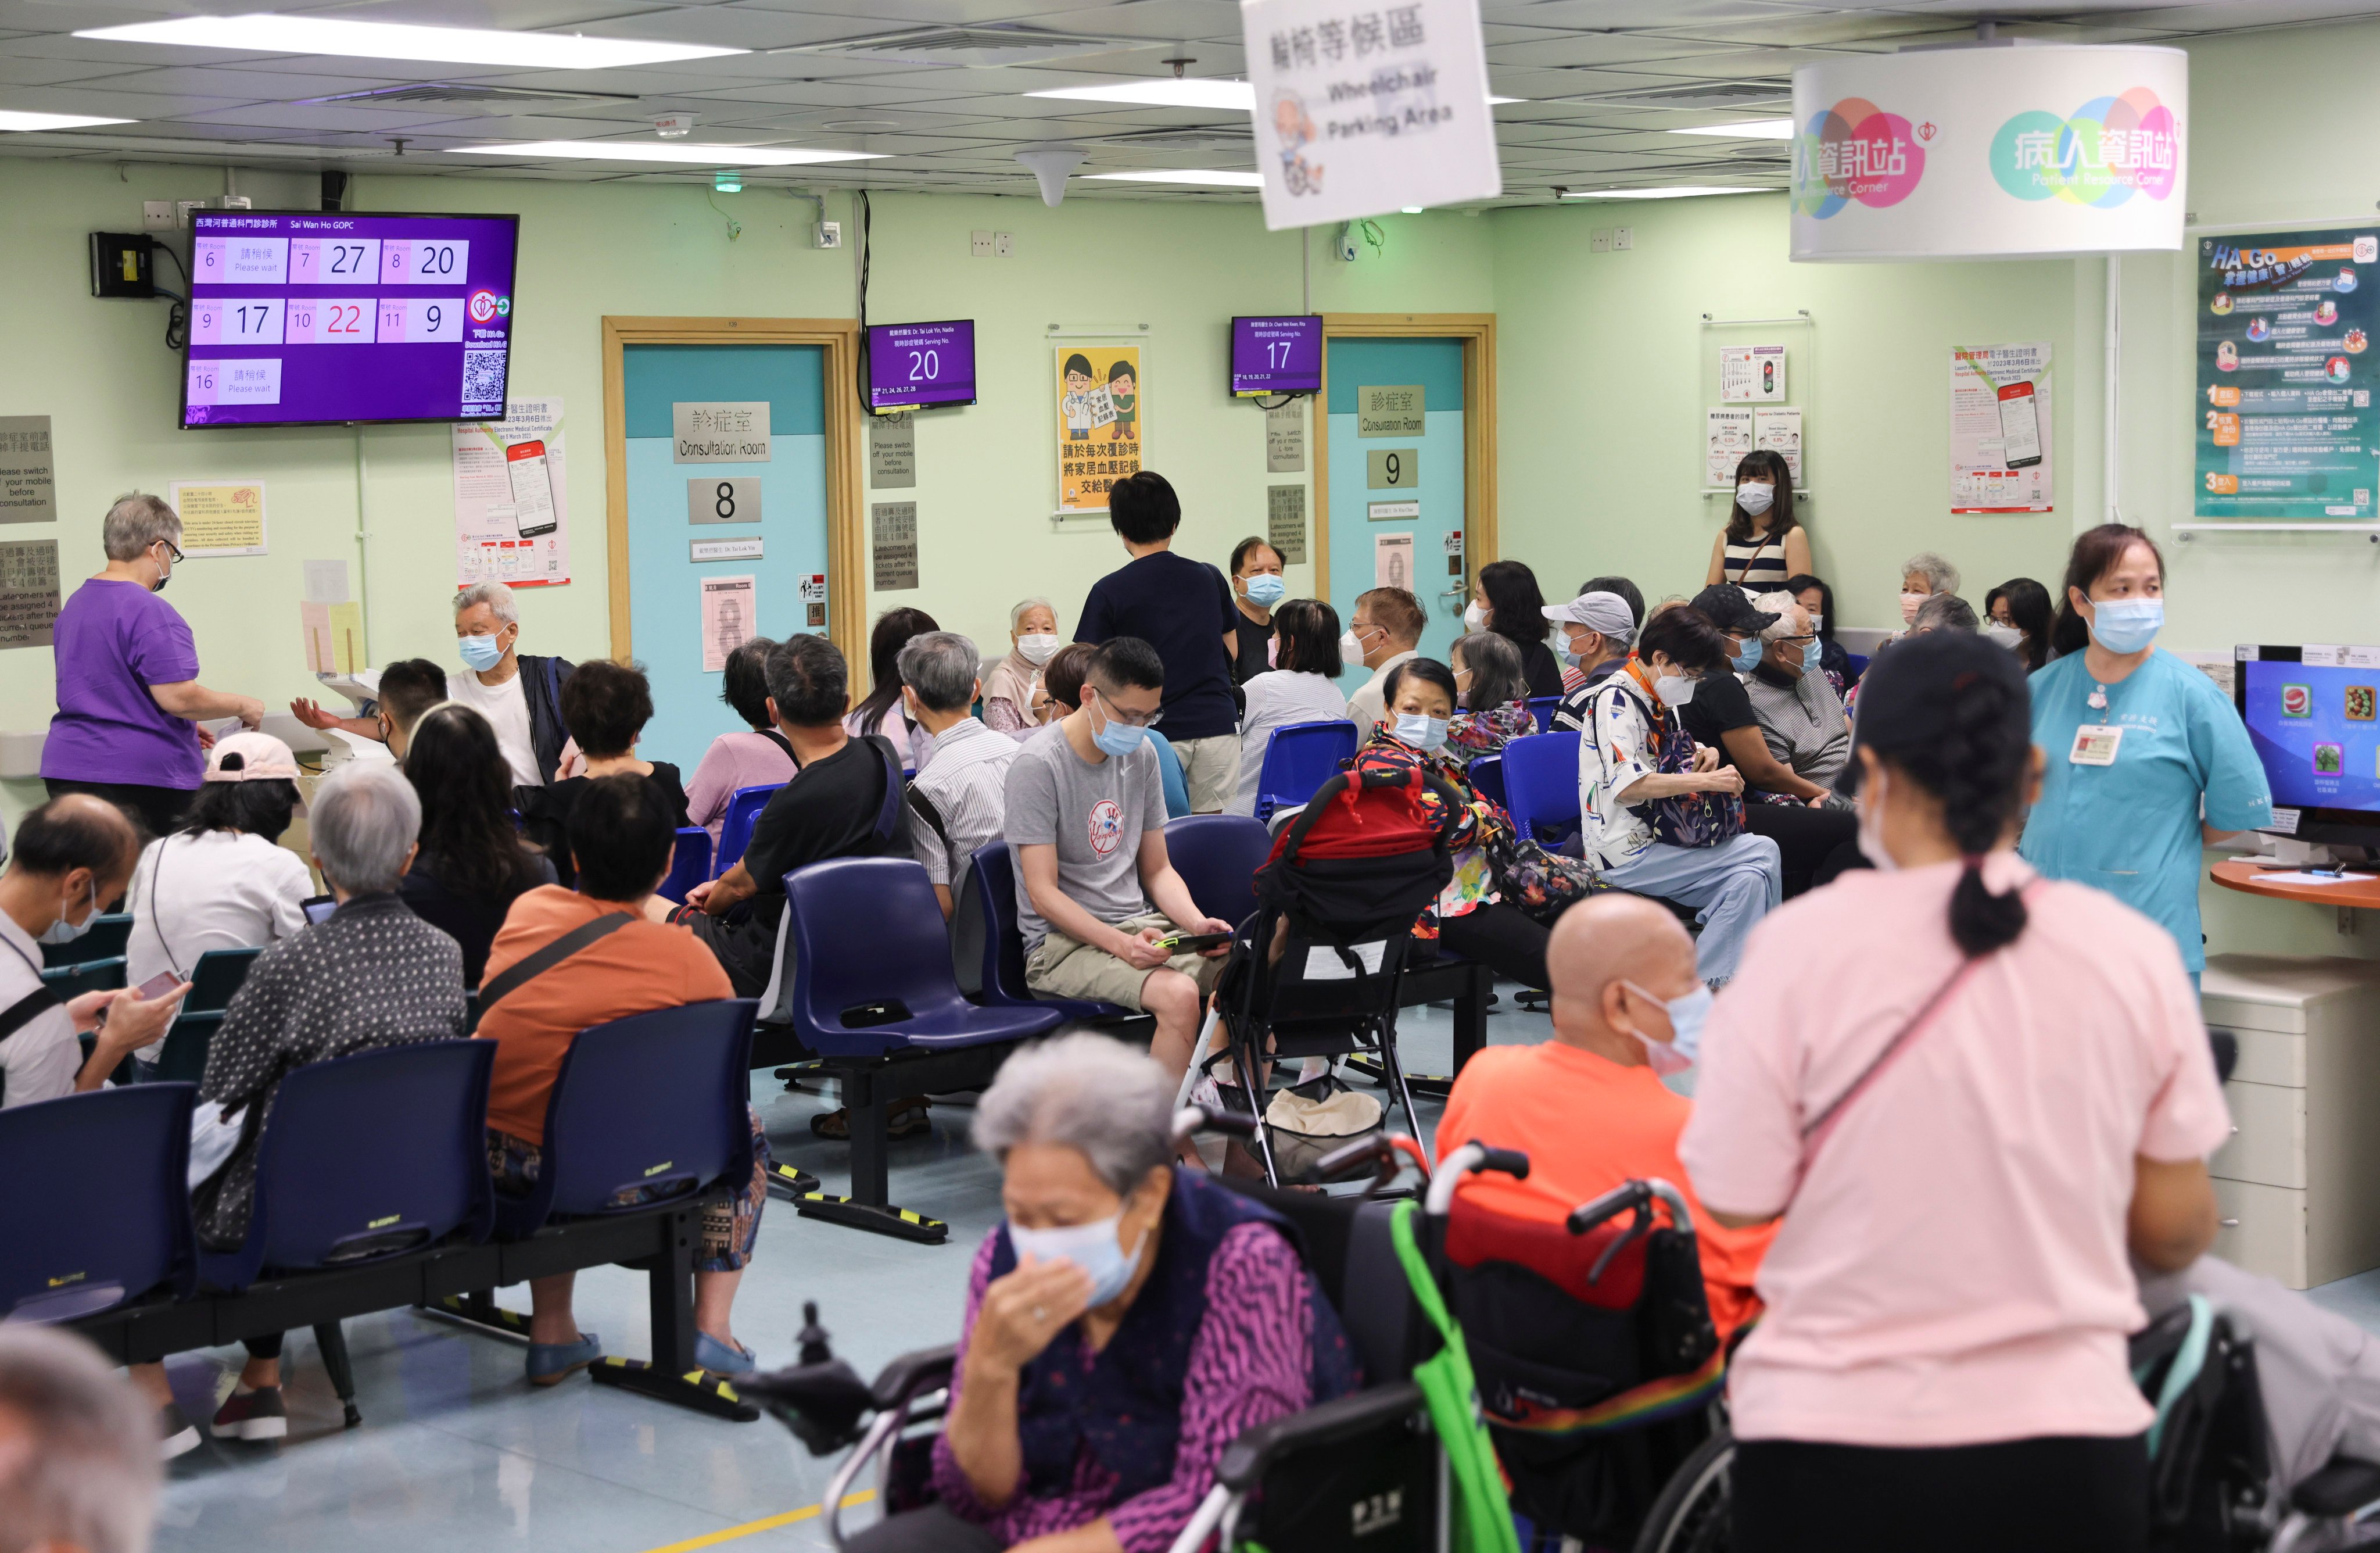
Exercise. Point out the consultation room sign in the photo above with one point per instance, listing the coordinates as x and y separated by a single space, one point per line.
1363 106
719 431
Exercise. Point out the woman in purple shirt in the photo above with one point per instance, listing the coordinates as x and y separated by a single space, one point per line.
1126 1325
128 679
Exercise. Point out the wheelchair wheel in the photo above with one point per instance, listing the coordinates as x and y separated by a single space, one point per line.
1691 1515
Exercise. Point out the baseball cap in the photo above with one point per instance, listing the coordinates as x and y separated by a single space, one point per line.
262 758
1607 613
1730 608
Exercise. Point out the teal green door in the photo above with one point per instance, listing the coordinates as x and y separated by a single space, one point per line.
667 495
1397 473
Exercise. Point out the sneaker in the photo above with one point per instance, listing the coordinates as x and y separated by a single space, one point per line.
723 1358
252 1415
176 1433
551 1363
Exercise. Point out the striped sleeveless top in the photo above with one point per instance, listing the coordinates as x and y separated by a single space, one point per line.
1760 565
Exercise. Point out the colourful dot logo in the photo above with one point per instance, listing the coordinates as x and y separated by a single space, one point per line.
1855 150
2111 149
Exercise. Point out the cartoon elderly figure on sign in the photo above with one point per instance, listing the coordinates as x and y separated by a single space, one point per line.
1295 129
1077 400
1124 394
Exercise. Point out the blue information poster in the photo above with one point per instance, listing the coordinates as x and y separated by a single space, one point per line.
2285 425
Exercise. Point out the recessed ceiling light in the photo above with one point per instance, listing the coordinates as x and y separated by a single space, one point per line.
1410 210
385 40
1157 91
677 152
1749 130
1683 191
11 119
1206 177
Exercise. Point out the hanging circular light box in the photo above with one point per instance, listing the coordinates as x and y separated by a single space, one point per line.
1994 151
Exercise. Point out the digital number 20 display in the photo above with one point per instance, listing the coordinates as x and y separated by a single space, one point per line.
925 366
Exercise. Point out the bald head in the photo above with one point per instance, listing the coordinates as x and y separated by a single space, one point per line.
75 831
1601 943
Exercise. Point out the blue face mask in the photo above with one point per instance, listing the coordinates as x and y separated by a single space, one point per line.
1748 654
2127 625
64 932
1093 1247
480 654
1426 734
1118 738
1813 653
1264 590
1684 1046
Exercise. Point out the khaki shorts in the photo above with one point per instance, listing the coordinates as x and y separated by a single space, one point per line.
1063 967
1210 770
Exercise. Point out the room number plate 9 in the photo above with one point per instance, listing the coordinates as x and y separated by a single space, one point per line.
712 499
1391 468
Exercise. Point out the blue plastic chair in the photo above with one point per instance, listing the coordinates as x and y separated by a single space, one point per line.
1298 758
125 1227
1542 709
689 864
1168 776
743 807
1218 856
872 966
215 981
85 975
989 919
1541 783
1487 775
417 1113
105 940
1859 666
657 1104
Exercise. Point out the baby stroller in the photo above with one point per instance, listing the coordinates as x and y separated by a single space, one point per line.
1314 970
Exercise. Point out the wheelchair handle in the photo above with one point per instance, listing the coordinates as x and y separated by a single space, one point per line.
1471 1158
1633 1195
1192 1119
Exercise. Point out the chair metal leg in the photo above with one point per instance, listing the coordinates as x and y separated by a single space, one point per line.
673 1375
480 1311
869 1206
1248 1068
331 1338
1404 1090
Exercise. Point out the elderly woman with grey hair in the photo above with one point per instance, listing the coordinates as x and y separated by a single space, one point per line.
371 974
128 678
1012 701
1127 1322
1923 576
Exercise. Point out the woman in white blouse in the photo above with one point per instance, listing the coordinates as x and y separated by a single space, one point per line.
1297 688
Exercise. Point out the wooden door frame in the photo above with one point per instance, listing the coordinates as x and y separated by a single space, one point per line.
1477 331
847 536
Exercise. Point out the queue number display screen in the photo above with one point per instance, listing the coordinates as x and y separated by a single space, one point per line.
325 317
913 366
1276 355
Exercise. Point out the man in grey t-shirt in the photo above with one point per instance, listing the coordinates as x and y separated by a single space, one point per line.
1086 818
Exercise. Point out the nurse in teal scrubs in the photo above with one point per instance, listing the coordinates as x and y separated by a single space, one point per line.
2138 745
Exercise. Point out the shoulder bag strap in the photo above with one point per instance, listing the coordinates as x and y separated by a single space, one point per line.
1765 540
923 807
23 1011
888 819
780 742
531 966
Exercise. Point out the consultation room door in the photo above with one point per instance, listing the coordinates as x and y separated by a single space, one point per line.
708 476
1396 473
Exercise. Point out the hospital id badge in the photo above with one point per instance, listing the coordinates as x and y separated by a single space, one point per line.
2094 744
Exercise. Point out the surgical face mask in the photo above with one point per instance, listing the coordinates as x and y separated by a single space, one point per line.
1264 590
2004 636
1687 1015
1908 603
1037 647
1115 738
1351 646
1675 689
1817 624
2127 625
1473 618
64 932
1871 825
1747 654
1812 653
1754 498
480 654
165 575
1093 1247
1426 734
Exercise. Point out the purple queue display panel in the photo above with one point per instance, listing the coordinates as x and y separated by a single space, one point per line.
1276 355
326 317
912 366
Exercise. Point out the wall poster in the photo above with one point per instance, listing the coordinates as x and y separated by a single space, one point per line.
730 617
512 497
28 592
1999 428
2286 426
219 517
1102 420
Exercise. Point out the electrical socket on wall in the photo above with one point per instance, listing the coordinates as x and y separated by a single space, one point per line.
827 234
1003 244
979 244
157 215
1622 239
1599 240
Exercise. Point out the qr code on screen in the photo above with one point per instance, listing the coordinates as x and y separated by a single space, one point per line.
483 383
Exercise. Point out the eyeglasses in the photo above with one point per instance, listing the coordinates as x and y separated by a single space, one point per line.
1130 719
174 547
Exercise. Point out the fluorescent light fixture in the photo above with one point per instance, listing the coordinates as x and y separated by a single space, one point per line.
13 119
1749 130
1410 210
1159 91
727 180
678 152
1500 101
1683 191
387 40
1205 176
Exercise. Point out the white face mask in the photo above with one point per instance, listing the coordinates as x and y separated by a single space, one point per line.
1351 645
1038 648
1871 825
1473 618
1675 689
2004 636
1754 497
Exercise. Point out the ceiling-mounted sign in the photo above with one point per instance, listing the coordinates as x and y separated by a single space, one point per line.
1363 106
1990 152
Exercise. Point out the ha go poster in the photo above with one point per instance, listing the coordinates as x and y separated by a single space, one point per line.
2284 426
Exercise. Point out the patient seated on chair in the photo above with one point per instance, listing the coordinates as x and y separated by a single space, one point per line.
1589 1107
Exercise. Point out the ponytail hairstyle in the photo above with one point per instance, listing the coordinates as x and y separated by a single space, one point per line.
2096 552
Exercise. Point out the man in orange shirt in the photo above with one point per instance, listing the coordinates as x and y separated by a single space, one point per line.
622 833
1588 1106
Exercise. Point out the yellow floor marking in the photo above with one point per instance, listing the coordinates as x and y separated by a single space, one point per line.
766 1524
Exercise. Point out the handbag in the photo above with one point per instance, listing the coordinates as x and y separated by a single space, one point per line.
1699 819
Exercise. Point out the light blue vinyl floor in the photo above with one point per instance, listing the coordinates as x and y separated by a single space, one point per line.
457 1452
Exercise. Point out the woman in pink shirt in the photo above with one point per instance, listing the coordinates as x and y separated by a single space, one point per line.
1969 1092
756 759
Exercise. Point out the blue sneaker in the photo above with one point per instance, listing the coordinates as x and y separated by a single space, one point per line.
720 1358
551 1363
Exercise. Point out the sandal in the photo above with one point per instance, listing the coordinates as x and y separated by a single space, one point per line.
906 1120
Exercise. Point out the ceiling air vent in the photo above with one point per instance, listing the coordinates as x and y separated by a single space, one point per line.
969 47
466 93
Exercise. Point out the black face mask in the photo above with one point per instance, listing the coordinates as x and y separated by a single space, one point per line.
162 578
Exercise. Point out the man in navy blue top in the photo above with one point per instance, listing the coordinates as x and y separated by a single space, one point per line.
1184 609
